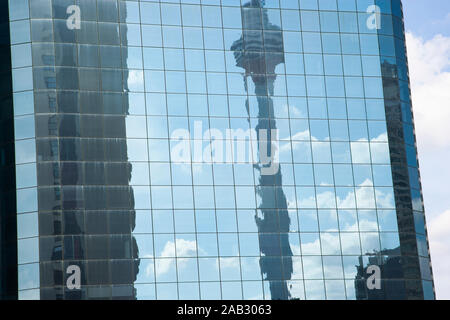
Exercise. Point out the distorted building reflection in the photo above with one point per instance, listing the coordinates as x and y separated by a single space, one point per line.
391 286
86 203
259 53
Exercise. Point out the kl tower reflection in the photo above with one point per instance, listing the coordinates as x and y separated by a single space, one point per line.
259 56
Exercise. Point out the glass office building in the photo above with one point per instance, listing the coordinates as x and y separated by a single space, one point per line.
208 149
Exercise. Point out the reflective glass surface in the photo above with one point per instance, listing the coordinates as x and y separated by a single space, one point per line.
215 149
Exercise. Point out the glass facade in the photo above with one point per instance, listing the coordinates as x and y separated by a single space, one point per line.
213 149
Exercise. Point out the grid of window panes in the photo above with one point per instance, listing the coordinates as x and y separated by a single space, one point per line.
137 73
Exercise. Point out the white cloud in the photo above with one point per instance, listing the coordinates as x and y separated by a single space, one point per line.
229 263
135 80
184 248
429 65
439 237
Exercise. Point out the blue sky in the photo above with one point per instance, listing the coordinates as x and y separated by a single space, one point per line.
427 24
427 18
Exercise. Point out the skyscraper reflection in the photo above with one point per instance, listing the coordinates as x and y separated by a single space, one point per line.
390 265
259 54
85 193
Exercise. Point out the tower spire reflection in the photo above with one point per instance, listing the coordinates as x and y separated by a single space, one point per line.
259 53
